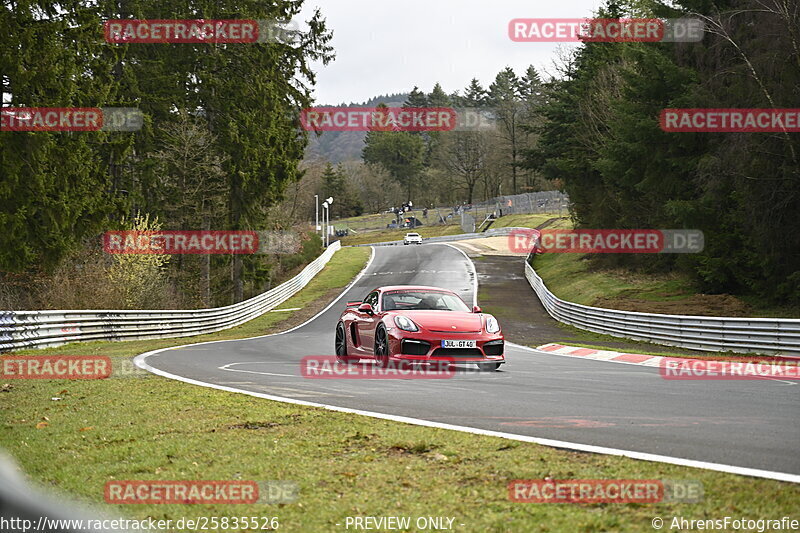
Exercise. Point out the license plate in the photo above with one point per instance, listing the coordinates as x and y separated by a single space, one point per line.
459 344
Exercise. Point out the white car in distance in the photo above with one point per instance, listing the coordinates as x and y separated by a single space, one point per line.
412 238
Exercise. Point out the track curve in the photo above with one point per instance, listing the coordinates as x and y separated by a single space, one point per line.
748 427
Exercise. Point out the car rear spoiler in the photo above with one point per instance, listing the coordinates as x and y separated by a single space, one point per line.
353 304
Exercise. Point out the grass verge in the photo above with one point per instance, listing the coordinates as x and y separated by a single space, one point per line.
571 277
152 428
568 276
345 465
523 221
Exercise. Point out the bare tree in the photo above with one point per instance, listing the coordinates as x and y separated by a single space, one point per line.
466 154
192 182
787 11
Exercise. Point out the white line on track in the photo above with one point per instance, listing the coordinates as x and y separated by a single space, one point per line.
140 361
227 367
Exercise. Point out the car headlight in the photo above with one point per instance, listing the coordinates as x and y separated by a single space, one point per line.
405 323
491 324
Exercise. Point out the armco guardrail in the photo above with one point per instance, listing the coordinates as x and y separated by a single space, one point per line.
40 329
774 336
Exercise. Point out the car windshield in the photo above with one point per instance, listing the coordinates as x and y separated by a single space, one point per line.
422 300
413 235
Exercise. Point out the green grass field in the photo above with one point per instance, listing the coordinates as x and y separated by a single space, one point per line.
364 222
569 278
152 428
398 234
572 277
523 221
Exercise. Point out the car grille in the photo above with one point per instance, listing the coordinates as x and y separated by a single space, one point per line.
493 348
457 352
415 347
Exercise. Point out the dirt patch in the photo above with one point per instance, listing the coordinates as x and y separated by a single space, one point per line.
697 304
254 425
549 222
411 449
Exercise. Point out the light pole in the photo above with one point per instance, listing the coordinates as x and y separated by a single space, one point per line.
324 227
316 205
329 201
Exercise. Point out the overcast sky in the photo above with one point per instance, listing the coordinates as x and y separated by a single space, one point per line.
388 47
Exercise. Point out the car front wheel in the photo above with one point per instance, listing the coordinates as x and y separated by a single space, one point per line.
381 347
340 345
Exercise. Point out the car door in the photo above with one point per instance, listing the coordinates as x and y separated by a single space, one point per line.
367 323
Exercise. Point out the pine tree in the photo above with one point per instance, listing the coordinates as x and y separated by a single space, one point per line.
474 95
532 94
504 97
400 153
416 98
439 98
530 88
56 188
334 184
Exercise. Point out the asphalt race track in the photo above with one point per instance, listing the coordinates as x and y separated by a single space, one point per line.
752 424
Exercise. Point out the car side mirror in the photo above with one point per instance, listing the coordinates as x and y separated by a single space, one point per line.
476 309
366 308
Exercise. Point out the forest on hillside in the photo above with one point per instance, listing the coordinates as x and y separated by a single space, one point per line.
592 130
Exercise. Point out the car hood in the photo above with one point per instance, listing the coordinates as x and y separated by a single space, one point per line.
445 320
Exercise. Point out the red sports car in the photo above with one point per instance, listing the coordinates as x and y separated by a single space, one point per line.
420 324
